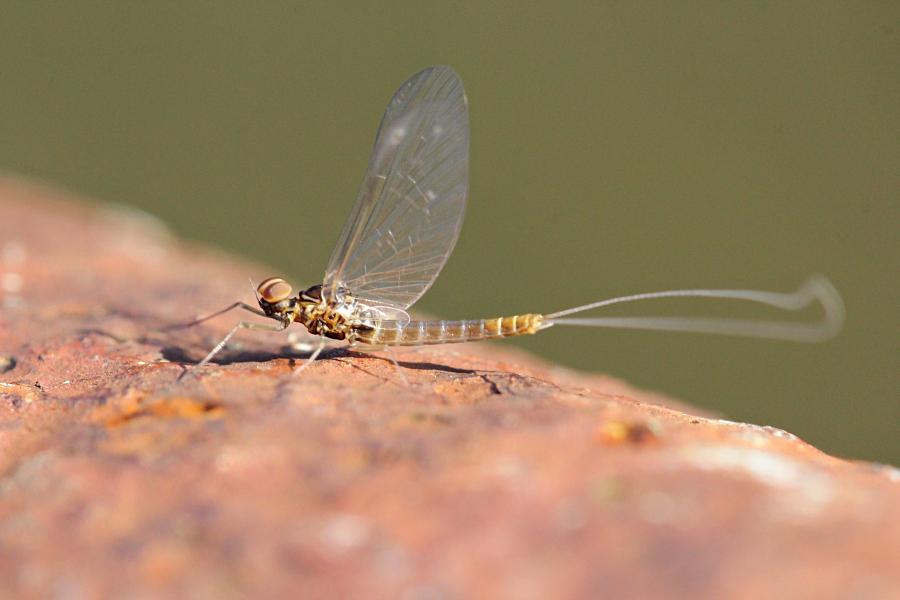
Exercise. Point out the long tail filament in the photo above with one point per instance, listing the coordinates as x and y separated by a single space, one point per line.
815 289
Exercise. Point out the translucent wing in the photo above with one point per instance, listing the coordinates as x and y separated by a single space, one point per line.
410 207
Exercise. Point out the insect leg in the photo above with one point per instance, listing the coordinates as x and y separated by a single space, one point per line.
302 341
312 357
242 325
390 354
371 349
241 305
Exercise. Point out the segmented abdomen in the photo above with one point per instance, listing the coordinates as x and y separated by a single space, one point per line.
418 333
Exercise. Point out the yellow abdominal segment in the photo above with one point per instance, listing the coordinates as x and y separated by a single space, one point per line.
417 333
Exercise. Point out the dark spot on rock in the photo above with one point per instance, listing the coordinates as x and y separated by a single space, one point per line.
7 363
495 389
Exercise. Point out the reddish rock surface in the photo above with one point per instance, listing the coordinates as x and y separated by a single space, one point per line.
489 474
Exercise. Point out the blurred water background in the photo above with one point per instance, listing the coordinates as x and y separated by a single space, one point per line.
617 147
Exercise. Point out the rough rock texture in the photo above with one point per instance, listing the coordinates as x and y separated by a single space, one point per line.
488 474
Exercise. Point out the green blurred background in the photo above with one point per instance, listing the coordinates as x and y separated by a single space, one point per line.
617 147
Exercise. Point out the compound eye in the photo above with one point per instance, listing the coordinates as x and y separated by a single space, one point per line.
274 290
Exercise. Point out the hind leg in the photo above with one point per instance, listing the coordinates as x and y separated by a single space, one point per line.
367 349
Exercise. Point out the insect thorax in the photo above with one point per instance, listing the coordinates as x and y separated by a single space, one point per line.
336 317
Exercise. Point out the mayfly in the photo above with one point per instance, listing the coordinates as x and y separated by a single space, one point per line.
404 226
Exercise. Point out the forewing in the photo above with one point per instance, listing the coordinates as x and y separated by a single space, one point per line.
410 207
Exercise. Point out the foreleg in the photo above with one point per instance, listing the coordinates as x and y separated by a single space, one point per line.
241 305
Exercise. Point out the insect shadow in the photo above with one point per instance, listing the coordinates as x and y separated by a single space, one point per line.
179 355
